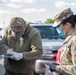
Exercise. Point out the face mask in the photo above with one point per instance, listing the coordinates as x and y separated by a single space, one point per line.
60 31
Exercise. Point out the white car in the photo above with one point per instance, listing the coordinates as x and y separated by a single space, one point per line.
52 40
1 33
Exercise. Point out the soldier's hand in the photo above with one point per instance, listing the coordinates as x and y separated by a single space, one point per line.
10 51
52 67
17 56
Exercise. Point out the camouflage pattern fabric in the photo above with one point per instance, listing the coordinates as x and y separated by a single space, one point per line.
68 57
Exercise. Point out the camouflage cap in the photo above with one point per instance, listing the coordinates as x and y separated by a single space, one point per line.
18 21
62 16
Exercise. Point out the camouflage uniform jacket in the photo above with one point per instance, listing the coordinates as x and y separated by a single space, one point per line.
68 57
29 44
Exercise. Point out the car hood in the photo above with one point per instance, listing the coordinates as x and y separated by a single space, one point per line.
53 44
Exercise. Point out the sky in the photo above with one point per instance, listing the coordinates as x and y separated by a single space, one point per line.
32 10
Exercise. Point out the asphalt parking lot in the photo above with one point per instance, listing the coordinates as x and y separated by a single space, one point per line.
1 67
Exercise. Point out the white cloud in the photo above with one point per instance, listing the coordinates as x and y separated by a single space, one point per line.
4 12
61 4
73 4
13 5
26 1
42 10
33 10
44 0
17 1
3 1
13 12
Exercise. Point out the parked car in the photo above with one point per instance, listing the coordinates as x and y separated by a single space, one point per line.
1 33
52 40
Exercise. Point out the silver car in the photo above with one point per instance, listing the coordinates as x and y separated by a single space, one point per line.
52 40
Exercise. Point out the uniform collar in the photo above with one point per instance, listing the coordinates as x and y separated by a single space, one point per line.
69 37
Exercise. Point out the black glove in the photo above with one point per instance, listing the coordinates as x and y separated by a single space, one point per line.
52 67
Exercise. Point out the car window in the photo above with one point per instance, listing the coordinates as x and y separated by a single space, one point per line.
49 32
0 33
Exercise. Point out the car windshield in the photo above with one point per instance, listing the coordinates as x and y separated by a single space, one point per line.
49 32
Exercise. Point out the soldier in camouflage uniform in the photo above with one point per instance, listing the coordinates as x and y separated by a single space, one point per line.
23 43
66 21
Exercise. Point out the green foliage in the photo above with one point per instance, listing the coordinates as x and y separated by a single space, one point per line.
49 21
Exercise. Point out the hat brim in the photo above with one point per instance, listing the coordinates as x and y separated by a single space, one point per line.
55 24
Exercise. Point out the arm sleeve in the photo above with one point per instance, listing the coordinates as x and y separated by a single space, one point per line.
3 43
71 68
36 46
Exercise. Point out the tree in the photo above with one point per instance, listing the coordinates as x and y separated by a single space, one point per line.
49 21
